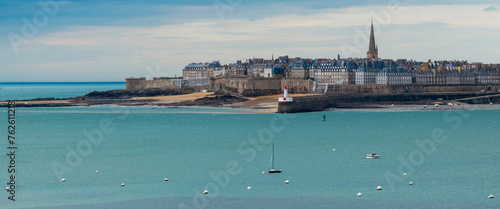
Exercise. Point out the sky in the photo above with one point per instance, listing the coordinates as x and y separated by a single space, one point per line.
91 40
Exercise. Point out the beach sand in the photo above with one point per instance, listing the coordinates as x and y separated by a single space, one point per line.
175 98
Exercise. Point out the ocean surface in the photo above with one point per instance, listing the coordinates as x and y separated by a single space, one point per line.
33 90
450 156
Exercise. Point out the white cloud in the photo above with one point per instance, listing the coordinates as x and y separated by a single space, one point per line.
315 33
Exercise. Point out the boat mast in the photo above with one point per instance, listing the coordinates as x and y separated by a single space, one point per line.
272 158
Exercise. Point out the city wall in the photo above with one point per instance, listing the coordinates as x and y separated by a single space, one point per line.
242 83
295 85
142 83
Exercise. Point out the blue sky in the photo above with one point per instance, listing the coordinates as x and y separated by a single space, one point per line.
112 40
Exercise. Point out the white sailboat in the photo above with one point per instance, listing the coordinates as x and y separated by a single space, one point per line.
271 164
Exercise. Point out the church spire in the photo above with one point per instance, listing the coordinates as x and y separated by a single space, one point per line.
372 50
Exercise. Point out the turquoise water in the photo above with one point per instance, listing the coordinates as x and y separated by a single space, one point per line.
20 91
143 145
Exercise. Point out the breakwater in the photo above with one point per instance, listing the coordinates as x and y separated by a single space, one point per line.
321 102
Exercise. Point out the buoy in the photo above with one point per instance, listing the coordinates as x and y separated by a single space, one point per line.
96 171
333 149
379 188
205 192
123 184
287 182
359 194
263 172
404 174
249 187
411 183
63 180
166 179
491 196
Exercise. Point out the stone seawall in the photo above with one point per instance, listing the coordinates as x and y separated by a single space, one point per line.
321 102
245 83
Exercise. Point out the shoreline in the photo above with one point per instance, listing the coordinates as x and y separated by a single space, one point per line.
264 104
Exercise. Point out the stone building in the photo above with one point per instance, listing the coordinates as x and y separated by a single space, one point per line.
298 69
195 70
240 69
429 77
486 76
452 77
213 69
398 76
367 72
334 72
372 53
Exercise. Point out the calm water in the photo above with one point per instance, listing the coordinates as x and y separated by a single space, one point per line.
19 91
457 167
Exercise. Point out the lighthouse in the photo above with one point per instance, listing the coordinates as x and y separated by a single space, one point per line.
285 97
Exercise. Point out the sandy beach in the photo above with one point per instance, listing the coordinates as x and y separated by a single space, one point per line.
175 98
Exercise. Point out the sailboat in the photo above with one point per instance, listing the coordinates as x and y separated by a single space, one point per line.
425 105
272 163
324 117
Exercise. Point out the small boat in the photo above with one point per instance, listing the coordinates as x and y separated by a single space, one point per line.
372 156
436 105
271 164
324 117
425 106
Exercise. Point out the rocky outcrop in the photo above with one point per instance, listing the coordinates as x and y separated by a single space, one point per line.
212 101
126 94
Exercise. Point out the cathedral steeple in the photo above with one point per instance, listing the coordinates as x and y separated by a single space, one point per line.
373 49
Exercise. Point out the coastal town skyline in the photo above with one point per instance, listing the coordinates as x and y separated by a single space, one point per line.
78 41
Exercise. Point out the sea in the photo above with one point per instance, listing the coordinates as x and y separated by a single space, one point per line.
451 157
58 90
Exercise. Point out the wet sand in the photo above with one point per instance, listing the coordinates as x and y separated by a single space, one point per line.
175 98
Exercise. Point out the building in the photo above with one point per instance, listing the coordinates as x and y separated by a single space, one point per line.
240 69
367 72
398 76
430 76
298 69
372 53
334 72
195 70
213 69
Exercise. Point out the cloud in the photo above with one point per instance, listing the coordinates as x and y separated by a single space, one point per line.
490 8
124 50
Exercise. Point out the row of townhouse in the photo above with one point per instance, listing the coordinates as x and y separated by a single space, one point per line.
213 69
354 71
